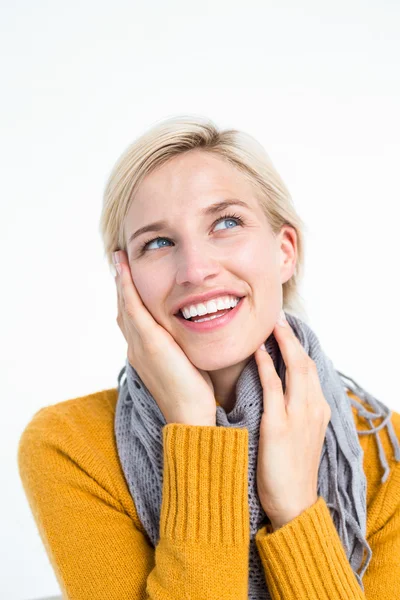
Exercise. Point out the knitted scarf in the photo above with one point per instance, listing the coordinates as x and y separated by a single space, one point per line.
341 478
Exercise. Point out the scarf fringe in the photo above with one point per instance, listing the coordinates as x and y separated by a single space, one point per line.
381 411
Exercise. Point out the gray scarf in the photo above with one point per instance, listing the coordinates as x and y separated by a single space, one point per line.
341 478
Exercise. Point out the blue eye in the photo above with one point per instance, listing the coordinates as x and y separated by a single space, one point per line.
144 247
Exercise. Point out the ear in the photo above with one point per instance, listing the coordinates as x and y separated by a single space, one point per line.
287 241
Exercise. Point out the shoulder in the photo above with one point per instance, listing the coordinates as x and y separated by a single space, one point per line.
77 433
89 417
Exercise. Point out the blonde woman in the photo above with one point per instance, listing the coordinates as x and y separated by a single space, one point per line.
232 460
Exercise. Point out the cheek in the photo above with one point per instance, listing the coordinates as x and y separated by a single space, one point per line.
256 256
150 290
263 277
258 268
246 257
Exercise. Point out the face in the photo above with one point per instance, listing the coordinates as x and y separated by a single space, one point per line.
196 253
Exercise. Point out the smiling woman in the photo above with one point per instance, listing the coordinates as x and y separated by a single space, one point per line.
179 177
225 224
233 460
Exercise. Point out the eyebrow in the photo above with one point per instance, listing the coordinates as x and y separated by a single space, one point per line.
209 210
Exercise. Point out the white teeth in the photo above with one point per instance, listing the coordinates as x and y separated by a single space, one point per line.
211 306
221 304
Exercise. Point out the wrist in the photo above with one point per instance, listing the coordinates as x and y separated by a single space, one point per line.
279 521
196 421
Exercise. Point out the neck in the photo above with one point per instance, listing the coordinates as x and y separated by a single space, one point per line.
224 382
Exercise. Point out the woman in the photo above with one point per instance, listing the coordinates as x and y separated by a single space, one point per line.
220 467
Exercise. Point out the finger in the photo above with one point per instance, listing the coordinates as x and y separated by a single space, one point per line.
317 402
298 365
129 298
118 296
273 398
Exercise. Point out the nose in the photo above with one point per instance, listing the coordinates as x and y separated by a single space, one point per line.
195 265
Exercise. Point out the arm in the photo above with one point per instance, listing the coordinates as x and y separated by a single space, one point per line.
305 558
99 551
204 525
95 547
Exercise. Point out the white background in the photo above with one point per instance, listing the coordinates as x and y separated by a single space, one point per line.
316 83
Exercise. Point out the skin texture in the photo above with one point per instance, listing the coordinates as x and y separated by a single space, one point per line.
199 255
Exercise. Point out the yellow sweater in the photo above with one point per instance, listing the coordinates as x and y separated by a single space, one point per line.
86 517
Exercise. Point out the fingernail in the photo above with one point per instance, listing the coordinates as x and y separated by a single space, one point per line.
262 347
115 256
282 319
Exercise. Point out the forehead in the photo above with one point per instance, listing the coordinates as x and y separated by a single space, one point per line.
188 181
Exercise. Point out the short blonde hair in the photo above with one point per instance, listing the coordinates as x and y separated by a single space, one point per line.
176 135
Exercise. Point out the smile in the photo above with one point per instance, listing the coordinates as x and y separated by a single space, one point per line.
211 322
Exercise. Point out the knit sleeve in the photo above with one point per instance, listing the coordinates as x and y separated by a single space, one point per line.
203 550
306 559
100 550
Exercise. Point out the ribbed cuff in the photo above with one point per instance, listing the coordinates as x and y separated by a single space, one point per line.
306 559
205 485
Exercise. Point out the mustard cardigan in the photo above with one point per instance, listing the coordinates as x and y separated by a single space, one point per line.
98 548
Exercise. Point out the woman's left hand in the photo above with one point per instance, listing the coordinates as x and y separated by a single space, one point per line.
292 430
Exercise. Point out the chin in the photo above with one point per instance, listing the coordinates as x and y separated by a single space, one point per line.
205 360
211 365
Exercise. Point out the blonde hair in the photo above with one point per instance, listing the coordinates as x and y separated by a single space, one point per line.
176 135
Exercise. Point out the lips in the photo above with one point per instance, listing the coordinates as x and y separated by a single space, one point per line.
216 298
214 323
179 314
211 295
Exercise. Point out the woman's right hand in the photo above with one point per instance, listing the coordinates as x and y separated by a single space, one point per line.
183 393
